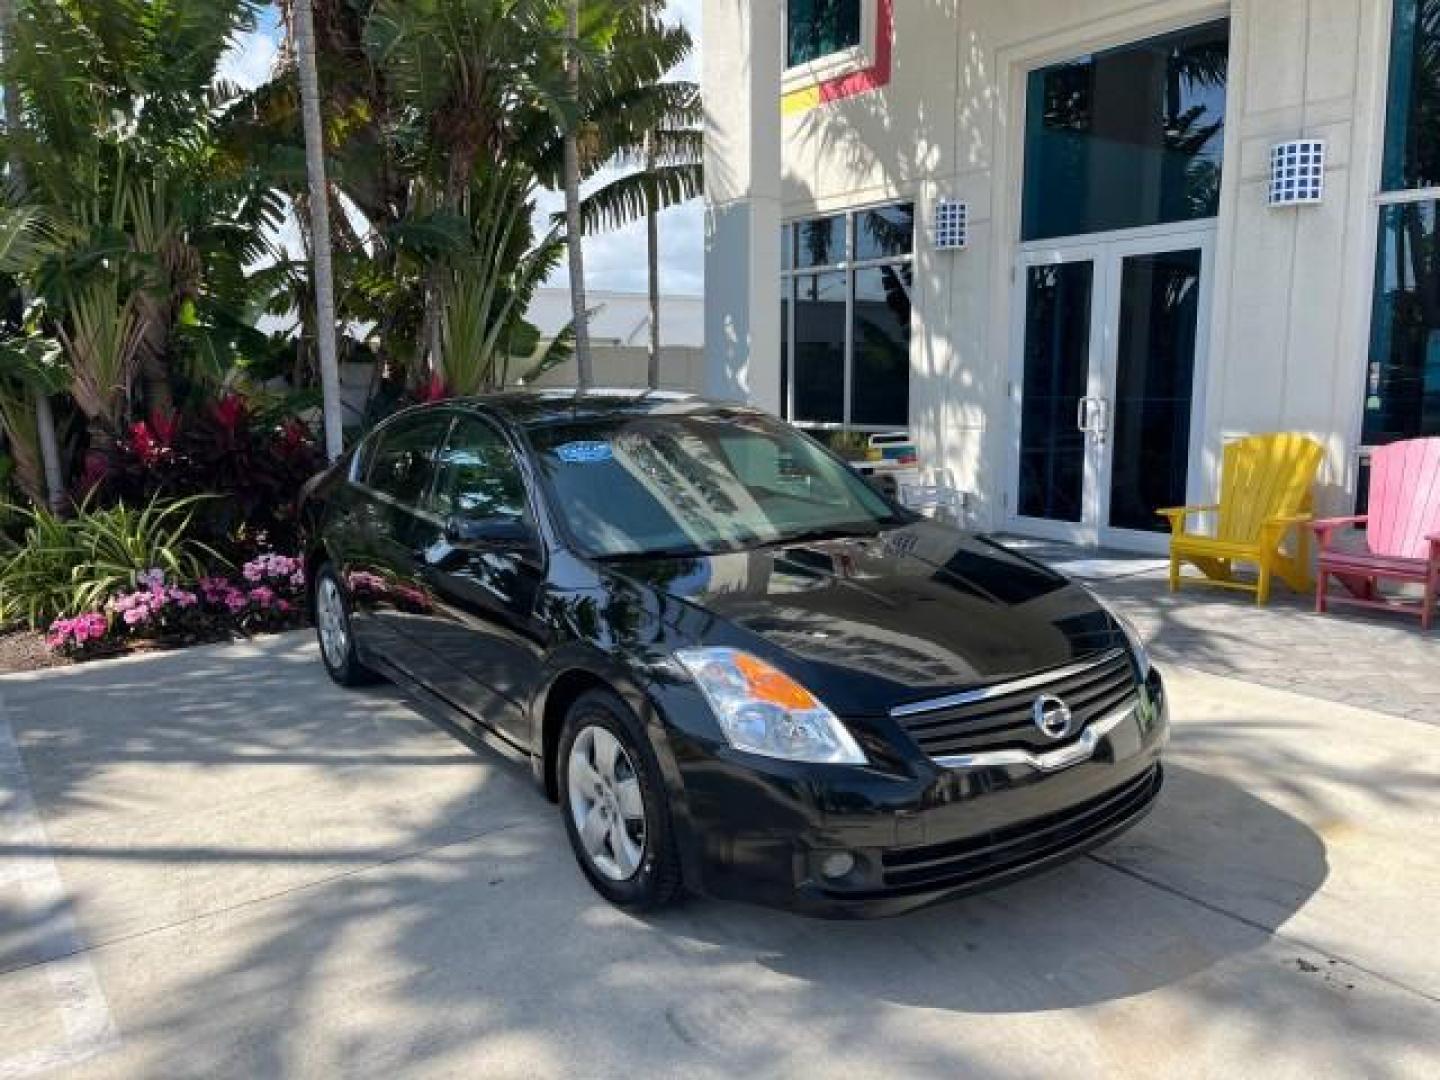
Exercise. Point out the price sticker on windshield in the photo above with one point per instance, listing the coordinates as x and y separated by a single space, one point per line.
584 453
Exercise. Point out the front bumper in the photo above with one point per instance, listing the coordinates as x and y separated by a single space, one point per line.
761 831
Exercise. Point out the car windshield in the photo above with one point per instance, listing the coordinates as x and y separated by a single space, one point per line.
699 483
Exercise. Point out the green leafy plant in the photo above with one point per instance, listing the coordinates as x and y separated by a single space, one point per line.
66 566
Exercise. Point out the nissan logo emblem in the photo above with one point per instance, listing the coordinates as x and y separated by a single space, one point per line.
1051 716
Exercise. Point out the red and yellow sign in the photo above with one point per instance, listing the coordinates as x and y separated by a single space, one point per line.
855 82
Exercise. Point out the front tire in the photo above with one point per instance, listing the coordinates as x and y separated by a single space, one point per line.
334 632
617 813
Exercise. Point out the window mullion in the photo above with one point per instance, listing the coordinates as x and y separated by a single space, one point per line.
849 316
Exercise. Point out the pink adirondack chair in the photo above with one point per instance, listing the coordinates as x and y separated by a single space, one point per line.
1402 533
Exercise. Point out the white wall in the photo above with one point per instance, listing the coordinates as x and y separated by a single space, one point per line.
621 318
1289 322
681 368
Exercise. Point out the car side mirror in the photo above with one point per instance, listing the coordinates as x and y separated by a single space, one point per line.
490 534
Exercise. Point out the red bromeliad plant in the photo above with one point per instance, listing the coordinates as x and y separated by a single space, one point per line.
434 390
256 467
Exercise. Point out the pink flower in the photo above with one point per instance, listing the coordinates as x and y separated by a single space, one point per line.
136 616
78 631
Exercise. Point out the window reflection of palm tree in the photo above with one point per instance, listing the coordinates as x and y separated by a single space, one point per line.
705 499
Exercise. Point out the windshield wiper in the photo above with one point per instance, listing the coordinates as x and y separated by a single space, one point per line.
654 553
817 535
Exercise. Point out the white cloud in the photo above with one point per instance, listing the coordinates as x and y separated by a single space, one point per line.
250 57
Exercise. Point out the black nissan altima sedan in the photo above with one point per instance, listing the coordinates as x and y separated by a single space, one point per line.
738 668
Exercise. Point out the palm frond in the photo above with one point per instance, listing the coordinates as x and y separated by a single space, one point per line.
630 197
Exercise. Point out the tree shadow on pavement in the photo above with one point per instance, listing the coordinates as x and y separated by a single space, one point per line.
430 918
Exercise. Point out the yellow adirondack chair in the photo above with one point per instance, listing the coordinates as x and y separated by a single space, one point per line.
1266 490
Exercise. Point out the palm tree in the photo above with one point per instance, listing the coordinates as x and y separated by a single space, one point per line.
629 117
579 312
319 208
48 445
445 105
488 282
155 221
30 371
670 157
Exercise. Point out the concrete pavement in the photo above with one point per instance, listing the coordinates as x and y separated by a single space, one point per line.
214 863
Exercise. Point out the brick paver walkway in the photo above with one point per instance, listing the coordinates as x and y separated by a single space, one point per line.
1381 662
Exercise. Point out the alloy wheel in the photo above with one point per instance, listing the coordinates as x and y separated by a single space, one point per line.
330 618
606 803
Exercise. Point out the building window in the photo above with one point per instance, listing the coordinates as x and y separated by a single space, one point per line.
1402 387
845 307
1402 393
818 28
1412 124
1129 137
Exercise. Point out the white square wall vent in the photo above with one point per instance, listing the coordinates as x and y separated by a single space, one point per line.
952 225
1297 173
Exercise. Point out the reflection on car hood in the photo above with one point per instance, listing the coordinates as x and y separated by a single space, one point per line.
916 612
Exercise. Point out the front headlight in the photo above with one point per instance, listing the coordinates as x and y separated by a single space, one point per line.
1137 644
763 711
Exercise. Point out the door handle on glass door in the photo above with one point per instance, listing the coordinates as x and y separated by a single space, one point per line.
1093 416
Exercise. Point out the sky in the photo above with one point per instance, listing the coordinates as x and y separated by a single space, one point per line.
613 261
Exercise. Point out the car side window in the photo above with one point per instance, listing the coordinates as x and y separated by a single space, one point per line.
477 475
401 464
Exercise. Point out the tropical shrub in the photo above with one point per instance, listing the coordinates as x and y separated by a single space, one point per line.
77 636
69 566
255 465
158 608
267 595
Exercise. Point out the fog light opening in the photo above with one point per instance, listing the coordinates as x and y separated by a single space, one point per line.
837 864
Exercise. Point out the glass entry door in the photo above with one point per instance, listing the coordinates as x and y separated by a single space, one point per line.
1104 387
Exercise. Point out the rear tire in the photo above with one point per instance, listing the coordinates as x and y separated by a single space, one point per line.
333 631
616 810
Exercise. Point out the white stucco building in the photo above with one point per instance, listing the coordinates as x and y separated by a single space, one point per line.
1128 298
620 338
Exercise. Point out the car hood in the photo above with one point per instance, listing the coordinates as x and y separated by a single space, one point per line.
916 612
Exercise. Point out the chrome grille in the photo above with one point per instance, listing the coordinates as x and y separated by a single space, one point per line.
998 717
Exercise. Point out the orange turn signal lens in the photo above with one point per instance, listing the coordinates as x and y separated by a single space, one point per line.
767 684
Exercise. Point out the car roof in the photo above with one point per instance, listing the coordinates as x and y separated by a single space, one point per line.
539 408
